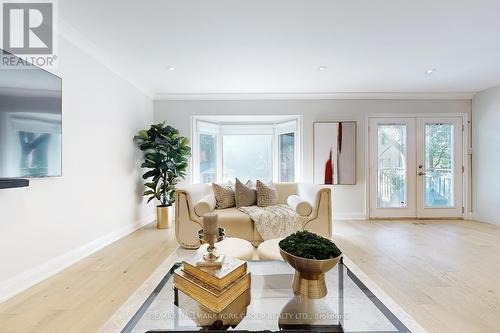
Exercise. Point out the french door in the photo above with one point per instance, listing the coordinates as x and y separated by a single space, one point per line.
416 167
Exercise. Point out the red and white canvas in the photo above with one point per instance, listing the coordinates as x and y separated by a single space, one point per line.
335 153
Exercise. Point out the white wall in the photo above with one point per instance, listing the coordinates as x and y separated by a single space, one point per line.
486 154
348 201
56 221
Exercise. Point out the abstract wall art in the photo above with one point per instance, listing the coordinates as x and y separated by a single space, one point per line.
335 153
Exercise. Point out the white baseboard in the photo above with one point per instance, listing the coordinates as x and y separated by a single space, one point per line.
27 279
483 220
349 216
469 216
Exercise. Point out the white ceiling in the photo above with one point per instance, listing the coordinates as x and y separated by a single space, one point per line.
276 46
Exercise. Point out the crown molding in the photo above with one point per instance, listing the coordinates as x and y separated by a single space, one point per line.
309 96
73 36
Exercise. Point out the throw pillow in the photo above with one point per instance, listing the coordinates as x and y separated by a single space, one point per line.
245 194
266 195
224 196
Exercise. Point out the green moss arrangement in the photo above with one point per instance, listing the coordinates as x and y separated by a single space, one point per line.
308 245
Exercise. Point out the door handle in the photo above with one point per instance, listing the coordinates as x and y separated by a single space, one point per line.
420 173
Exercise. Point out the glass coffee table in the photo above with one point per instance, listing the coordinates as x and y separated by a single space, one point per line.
271 305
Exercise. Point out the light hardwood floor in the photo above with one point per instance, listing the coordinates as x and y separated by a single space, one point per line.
82 297
446 274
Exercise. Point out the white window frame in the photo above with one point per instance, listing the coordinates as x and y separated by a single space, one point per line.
203 127
289 124
292 126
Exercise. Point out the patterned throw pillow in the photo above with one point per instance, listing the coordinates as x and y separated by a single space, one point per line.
266 195
224 196
245 194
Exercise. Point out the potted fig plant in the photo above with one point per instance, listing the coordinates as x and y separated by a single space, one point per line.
166 156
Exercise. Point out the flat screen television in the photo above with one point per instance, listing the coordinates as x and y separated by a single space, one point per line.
30 121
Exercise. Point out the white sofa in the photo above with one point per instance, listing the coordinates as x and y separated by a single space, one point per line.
240 225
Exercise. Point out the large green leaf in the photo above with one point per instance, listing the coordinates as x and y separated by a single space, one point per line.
150 173
148 165
143 134
145 146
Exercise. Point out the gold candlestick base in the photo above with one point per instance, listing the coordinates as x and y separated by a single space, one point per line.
210 263
211 259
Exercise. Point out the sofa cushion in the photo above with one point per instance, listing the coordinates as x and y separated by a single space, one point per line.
285 190
245 194
266 195
236 223
224 196
256 235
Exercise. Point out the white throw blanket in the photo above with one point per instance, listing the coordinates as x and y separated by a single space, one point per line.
276 221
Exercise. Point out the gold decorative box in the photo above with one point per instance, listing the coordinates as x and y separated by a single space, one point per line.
230 270
231 316
212 298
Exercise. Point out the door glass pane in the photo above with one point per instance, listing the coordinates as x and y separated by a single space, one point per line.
439 165
247 157
392 166
208 158
287 157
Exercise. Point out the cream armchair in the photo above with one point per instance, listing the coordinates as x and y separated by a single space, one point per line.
311 201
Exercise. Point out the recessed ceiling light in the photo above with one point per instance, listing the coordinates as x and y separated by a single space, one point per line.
322 68
430 71
171 68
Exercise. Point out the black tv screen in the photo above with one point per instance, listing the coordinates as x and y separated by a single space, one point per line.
30 122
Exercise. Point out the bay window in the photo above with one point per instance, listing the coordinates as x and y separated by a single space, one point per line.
225 148
247 157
